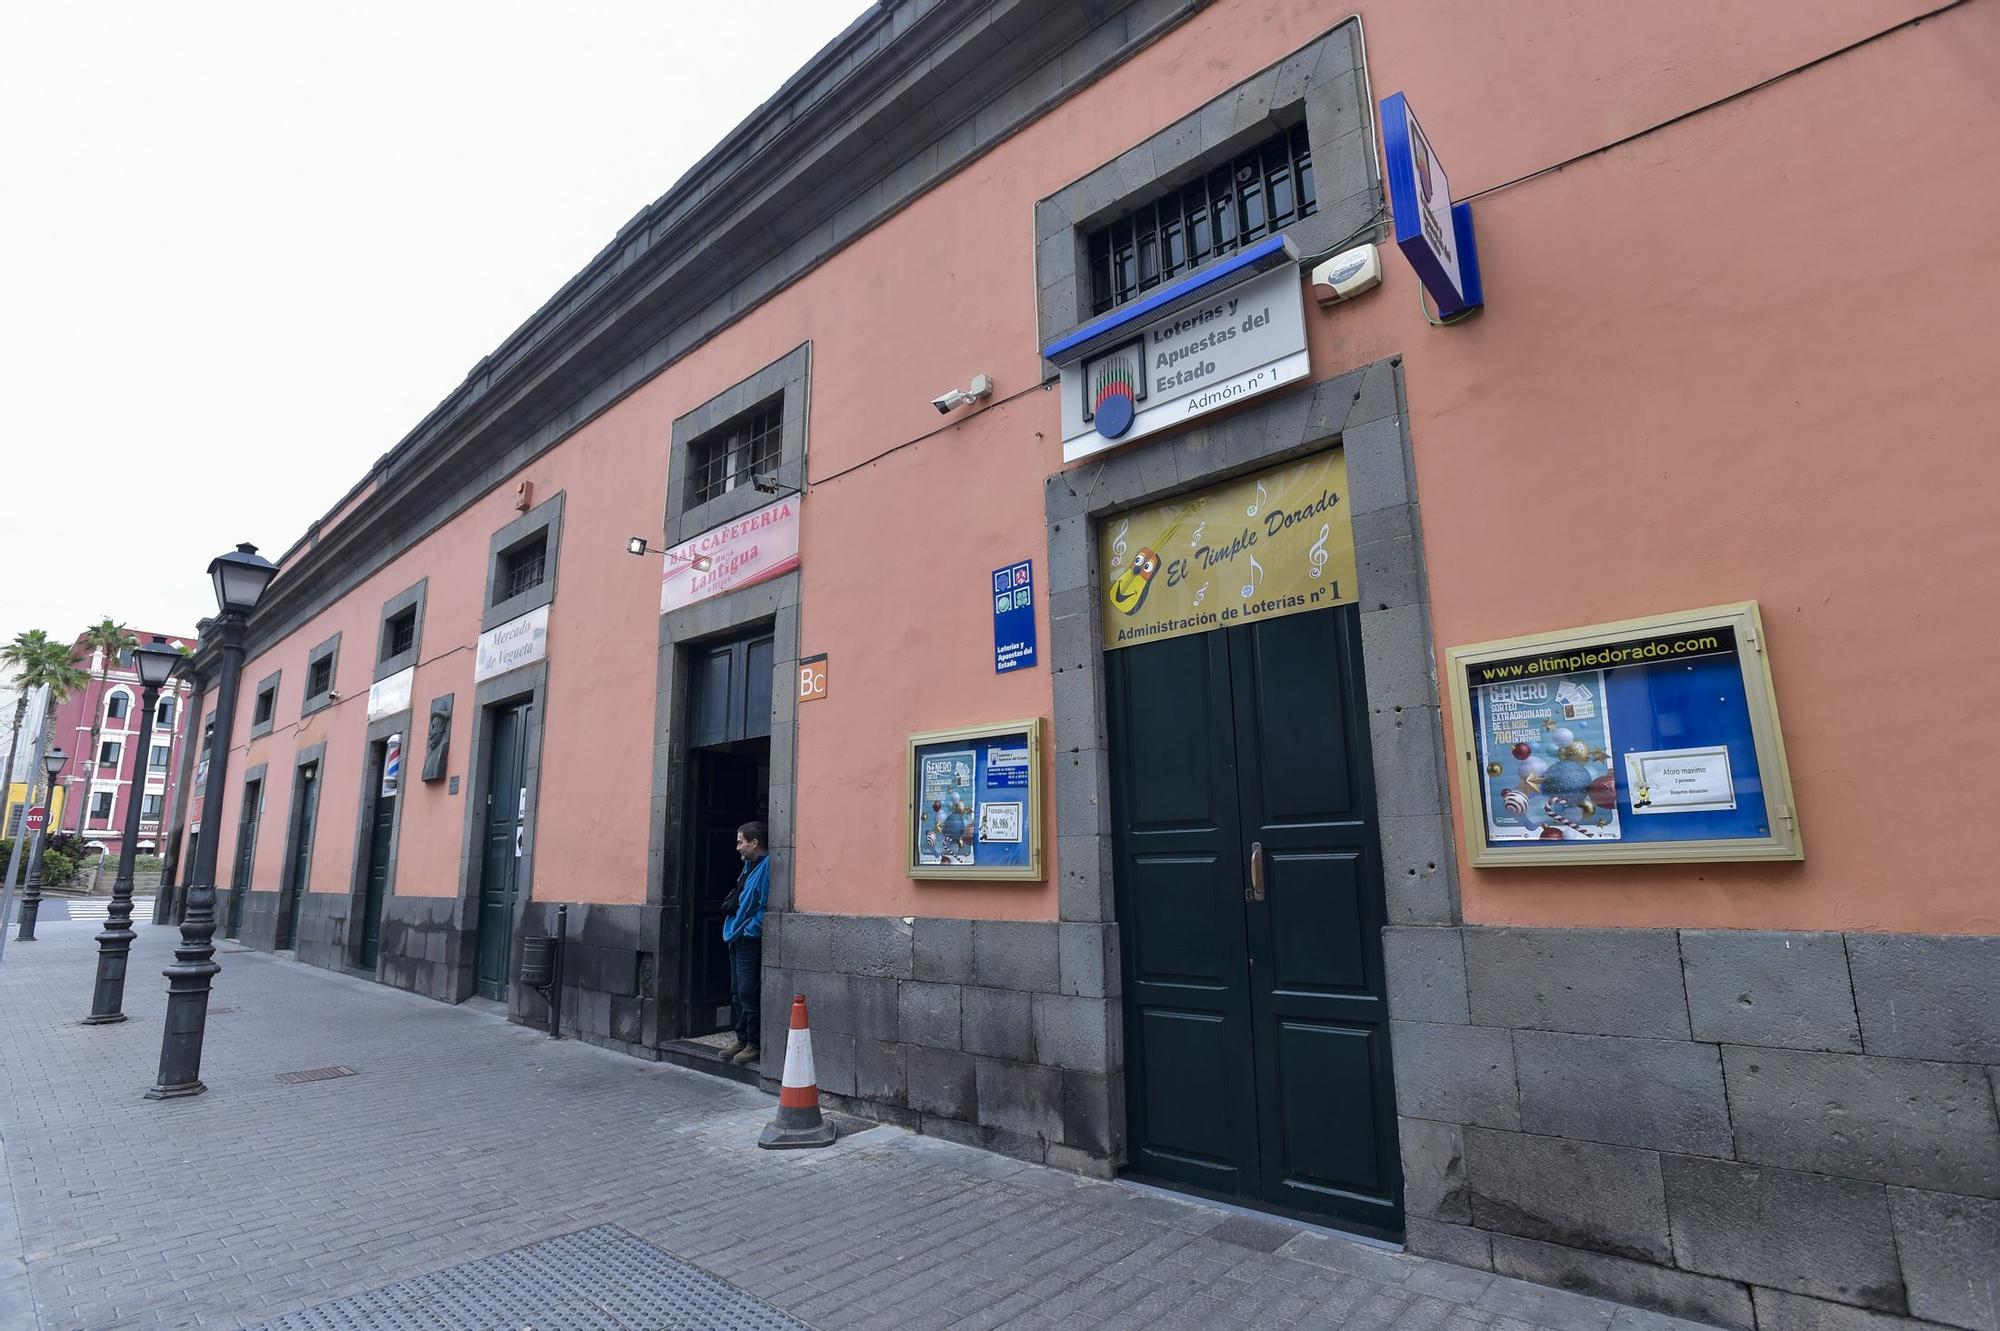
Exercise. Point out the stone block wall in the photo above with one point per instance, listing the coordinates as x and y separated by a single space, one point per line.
610 974
259 924
1755 1129
427 947
322 939
997 1033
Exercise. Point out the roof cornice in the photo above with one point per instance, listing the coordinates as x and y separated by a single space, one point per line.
911 92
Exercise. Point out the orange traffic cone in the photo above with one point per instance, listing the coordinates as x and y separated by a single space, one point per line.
798 1122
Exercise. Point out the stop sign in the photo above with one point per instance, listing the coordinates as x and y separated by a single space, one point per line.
38 818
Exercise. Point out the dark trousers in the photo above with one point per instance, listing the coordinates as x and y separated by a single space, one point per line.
746 983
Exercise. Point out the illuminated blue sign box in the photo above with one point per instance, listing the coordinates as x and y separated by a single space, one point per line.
1433 233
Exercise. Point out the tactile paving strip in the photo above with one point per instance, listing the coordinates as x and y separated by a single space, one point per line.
597 1279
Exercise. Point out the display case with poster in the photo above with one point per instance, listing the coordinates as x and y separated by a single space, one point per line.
975 809
1651 739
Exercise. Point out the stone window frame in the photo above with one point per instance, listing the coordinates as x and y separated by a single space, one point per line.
266 685
545 517
1325 82
411 598
328 651
788 377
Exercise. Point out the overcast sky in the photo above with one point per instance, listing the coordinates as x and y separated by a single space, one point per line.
245 247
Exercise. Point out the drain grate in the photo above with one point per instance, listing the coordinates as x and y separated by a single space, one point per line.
314 1074
598 1279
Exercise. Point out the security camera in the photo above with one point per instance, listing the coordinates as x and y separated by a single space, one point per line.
980 388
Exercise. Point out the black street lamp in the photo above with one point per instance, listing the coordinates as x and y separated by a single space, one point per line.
240 578
31 900
155 662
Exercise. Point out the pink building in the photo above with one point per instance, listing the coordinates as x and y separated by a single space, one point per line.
104 777
1318 754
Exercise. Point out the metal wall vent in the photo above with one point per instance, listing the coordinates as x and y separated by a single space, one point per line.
314 1074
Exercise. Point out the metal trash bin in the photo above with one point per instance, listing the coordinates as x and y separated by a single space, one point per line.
538 962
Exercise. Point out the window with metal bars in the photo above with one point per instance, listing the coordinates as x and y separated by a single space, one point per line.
731 454
1263 190
523 567
399 634
267 707
319 678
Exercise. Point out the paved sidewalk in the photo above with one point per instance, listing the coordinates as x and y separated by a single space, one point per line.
461 1137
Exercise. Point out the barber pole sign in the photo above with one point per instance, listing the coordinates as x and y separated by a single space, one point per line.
392 767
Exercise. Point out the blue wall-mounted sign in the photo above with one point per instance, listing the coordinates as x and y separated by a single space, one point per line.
1013 617
1434 234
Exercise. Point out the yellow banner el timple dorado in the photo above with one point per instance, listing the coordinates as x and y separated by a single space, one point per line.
1275 543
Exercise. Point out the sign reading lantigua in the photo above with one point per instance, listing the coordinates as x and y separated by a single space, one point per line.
756 546
1244 340
518 642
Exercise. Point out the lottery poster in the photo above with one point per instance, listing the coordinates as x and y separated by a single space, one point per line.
1545 747
947 808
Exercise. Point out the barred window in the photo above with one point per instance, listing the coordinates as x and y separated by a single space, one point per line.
730 455
399 634
1264 190
523 567
267 707
319 679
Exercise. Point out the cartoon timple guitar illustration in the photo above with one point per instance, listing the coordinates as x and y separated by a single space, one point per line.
1128 590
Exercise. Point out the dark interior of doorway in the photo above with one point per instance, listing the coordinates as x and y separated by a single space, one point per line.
727 730
729 785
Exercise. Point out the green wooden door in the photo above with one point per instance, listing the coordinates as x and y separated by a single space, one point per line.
305 817
500 847
246 855
1249 888
376 883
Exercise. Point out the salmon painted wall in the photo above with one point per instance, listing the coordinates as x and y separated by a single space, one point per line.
1750 340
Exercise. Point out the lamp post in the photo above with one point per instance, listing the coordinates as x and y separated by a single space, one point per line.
240 578
155 662
31 900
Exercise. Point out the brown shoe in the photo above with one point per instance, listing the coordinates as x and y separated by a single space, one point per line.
747 1055
735 1047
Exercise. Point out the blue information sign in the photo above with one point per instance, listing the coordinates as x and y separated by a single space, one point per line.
1013 617
1434 234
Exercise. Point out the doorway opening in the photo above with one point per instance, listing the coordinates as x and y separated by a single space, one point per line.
1248 878
381 840
246 855
728 769
501 844
298 870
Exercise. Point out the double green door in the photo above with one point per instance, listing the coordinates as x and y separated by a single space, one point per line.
1249 893
381 841
500 846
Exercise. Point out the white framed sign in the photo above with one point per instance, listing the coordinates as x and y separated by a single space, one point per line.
512 645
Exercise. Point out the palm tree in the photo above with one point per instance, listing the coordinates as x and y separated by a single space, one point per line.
113 640
36 659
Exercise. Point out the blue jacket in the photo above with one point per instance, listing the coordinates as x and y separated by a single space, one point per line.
748 921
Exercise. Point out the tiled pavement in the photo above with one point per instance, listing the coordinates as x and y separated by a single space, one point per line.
462 1137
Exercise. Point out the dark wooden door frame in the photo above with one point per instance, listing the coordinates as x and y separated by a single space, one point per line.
301 826
243 858
378 733
506 760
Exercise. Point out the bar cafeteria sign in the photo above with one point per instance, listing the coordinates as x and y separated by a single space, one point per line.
742 553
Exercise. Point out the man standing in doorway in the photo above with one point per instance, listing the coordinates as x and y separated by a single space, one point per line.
743 932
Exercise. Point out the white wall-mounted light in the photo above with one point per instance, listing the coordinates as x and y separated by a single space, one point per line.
636 545
980 389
